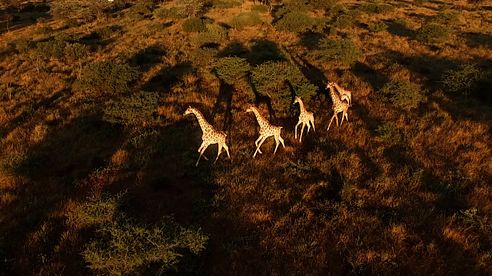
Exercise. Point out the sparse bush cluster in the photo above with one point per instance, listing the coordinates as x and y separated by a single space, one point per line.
82 10
271 79
245 19
375 8
215 34
194 25
295 22
378 27
122 245
403 94
106 77
463 79
341 51
135 109
431 33
231 69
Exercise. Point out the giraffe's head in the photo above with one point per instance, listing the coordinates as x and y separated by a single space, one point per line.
297 100
189 110
250 109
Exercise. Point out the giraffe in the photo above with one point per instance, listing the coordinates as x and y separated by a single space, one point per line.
344 94
266 130
338 105
306 118
210 136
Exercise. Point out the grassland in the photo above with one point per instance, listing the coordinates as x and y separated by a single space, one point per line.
97 170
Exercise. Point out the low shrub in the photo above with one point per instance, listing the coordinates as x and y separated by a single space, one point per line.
375 8
231 69
344 21
94 213
270 79
136 109
341 51
125 247
245 19
378 27
76 51
463 79
52 48
403 94
194 24
171 13
106 77
215 34
295 22
389 134
432 33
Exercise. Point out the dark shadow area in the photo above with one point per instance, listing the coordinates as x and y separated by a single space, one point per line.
310 39
52 170
25 15
102 36
234 49
315 75
397 28
369 75
225 96
478 39
24 116
262 51
167 77
259 99
146 58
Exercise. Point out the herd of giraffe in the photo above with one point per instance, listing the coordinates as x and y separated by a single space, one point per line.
340 97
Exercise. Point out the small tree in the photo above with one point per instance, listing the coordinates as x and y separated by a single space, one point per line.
231 69
106 77
403 94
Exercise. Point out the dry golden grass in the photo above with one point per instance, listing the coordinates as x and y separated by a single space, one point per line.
350 200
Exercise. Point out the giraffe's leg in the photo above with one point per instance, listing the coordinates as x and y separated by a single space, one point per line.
219 151
281 141
276 143
341 122
346 116
295 130
256 143
258 147
312 123
201 148
332 117
336 118
227 150
201 153
302 130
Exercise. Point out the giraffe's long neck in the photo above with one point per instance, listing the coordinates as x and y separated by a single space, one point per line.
301 107
204 125
334 96
261 121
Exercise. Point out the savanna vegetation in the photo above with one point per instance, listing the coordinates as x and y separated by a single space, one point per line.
97 161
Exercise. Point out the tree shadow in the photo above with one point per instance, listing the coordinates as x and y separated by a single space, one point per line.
262 50
52 170
101 37
24 116
24 15
260 98
369 75
478 39
148 57
167 77
399 29
310 39
225 95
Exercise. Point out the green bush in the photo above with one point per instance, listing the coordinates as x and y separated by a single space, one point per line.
295 22
245 19
136 109
125 247
463 79
341 51
432 33
172 13
194 24
214 34
389 134
269 79
344 21
378 27
76 51
106 77
52 48
403 94
231 69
